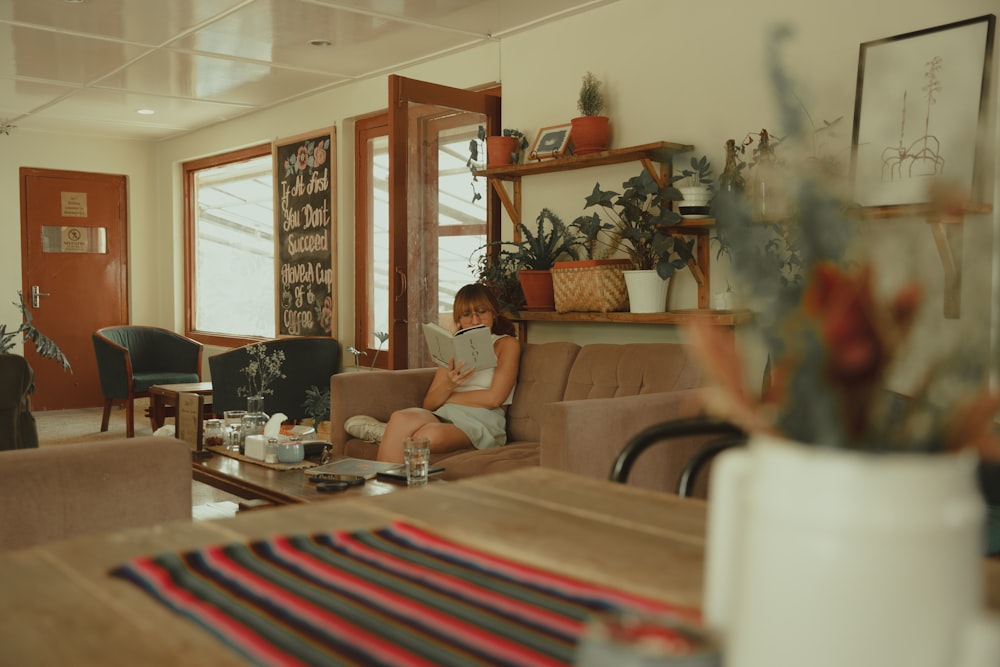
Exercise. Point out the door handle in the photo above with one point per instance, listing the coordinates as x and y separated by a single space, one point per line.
35 293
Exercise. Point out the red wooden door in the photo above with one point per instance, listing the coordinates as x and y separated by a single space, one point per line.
74 250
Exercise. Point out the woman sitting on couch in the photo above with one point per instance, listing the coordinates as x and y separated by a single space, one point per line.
462 407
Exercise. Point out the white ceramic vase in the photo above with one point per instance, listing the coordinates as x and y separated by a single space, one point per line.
647 291
830 558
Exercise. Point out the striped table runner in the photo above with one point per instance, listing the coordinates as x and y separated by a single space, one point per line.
397 595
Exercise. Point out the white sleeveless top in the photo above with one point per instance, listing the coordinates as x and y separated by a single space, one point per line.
482 379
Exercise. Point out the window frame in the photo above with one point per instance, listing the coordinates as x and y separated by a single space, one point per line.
189 169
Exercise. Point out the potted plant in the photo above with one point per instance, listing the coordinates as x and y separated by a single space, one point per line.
535 255
590 130
640 220
317 407
696 188
505 149
498 272
44 345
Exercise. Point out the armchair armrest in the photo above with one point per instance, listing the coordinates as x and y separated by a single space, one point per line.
375 393
585 436
114 367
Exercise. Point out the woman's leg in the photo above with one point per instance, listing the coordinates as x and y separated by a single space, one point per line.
418 422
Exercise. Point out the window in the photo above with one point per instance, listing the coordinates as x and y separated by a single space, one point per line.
229 249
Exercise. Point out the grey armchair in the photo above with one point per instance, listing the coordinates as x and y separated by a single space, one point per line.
131 359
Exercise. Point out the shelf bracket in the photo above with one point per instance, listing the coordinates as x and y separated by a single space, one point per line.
512 204
948 236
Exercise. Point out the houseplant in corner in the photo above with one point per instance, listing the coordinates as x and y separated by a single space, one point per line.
590 132
640 220
44 345
854 502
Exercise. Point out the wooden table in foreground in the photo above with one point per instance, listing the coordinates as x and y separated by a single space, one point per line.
59 606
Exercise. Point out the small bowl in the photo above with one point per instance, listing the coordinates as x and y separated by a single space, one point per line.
290 452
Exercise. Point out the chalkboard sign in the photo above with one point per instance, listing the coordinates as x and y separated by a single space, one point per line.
305 234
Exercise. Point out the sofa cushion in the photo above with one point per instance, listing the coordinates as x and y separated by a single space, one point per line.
541 380
609 371
470 462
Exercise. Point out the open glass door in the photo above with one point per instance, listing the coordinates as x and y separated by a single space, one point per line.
434 224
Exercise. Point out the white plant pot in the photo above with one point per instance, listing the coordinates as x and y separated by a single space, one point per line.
829 558
696 202
647 291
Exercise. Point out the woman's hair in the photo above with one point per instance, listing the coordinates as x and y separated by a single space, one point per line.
469 297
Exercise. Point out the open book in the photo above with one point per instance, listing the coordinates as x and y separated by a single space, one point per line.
474 346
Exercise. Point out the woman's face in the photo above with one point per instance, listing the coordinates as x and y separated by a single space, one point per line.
475 314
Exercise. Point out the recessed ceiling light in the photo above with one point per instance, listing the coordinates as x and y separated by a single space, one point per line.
320 42
145 112
74 2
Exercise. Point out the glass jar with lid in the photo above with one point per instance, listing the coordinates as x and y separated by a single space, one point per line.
214 434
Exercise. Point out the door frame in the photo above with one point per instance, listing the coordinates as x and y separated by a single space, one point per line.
402 92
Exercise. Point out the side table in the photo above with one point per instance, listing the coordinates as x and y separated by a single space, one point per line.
163 398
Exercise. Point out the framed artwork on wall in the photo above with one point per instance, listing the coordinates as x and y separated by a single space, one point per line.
919 112
551 142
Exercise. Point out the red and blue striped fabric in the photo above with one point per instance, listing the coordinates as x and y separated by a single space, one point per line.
397 595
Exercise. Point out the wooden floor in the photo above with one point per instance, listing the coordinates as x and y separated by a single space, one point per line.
62 427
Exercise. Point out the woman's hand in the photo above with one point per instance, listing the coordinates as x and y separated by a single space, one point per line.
457 374
446 380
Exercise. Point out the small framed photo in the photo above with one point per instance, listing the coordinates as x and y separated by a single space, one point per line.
552 142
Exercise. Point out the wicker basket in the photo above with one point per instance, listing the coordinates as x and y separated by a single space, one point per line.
596 285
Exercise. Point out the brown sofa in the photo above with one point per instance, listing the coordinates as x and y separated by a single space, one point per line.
574 409
63 491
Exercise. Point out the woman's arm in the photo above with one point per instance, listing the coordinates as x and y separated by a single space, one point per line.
504 376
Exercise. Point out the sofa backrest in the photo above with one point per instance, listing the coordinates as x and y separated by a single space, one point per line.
604 370
541 379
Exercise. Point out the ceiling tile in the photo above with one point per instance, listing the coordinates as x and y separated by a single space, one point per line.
40 54
216 79
141 21
279 31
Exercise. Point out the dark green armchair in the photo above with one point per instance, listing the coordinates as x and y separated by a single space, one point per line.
17 424
309 361
131 359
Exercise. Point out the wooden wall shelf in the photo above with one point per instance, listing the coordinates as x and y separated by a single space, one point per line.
656 158
719 318
947 226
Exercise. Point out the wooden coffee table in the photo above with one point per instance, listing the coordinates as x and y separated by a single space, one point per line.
280 487
162 397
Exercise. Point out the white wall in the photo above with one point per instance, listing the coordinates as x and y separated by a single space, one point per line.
686 72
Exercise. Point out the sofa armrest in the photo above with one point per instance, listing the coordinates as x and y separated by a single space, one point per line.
374 393
585 436
55 493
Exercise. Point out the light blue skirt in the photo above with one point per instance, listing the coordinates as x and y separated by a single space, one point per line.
485 428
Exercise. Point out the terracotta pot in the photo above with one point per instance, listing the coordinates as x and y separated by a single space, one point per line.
590 134
537 288
500 151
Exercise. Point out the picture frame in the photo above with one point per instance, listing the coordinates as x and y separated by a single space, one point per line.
552 142
305 233
919 112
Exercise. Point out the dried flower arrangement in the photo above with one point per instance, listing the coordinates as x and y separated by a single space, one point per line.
831 340
261 371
